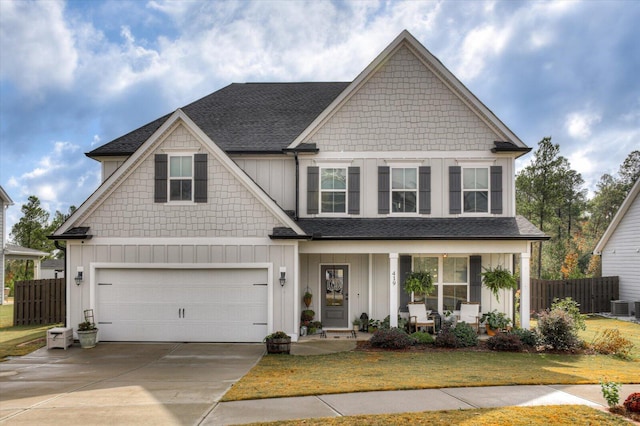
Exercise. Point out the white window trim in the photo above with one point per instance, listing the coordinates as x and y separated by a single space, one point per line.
346 190
407 165
488 190
193 179
439 282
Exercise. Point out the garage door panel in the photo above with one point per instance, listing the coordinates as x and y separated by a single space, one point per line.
206 305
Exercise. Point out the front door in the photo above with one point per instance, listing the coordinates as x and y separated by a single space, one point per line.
335 300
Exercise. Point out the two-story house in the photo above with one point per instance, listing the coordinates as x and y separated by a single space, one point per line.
213 221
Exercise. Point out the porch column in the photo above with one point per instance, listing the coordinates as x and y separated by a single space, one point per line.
525 289
393 289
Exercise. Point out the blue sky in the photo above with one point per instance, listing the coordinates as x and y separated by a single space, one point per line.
77 74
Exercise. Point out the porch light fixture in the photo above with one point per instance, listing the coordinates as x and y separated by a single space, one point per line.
283 280
78 278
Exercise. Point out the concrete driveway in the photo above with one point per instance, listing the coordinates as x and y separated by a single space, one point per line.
121 383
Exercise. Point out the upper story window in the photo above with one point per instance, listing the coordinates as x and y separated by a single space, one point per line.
333 190
404 190
475 190
180 178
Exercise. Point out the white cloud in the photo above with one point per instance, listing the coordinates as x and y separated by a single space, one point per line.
579 124
37 46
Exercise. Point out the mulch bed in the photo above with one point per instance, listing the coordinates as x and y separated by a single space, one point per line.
365 346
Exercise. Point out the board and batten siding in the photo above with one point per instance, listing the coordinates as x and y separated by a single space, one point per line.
276 176
439 181
621 255
147 252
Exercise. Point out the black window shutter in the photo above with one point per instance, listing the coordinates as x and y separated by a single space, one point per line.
475 279
424 185
496 189
383 190
313 181
354 190
455 190
200 178
160 191
404 266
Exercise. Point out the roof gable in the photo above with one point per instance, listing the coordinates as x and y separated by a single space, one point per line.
179 118
624 208
404 59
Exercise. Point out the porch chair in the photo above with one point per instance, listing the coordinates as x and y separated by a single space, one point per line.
470 313
420 316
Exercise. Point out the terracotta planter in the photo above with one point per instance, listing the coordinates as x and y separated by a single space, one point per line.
491 331
307 300
279 346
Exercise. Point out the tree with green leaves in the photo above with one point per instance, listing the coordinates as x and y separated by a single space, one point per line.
31 230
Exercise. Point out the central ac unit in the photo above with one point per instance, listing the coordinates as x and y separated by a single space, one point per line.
620 308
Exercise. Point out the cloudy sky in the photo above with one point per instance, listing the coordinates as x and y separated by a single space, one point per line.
77 74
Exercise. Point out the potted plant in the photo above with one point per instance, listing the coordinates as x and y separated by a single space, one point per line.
418 283
356 324
307 298
373 325
307 315
87 334
495 321
278 343
497 279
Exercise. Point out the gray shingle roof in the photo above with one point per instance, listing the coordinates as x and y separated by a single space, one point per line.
249 117
460 228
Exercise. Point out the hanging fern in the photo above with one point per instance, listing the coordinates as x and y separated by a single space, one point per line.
499 279
419 282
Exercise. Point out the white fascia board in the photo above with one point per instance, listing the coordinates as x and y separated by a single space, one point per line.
433 64
3 195
624 207
414 246
401 155
186 241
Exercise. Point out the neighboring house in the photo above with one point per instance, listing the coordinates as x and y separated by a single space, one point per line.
619 247
12 251
5 202
52 268
212 222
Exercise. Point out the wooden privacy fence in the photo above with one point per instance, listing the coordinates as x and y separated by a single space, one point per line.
39 302
593 294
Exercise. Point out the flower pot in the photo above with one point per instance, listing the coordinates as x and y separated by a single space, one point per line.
279 346
88 338
491 331
307 300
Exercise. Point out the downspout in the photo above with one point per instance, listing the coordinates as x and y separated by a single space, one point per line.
295 156
63 249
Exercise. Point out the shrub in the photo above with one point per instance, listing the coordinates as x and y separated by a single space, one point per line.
445 337
632 403
307 315
557 330
610 342
571 307
422 338
527 337
465 335
610 392
508 342
392 338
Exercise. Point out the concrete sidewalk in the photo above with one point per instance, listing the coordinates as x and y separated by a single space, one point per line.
389 402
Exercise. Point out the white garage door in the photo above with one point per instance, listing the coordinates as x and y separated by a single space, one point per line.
181 305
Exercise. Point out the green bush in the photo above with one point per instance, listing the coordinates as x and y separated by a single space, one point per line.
527 337
508 342
465 335
571 307
423 338
557 330
392 338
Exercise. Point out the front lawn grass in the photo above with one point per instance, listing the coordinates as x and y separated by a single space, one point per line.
20 339
288 375
556 415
